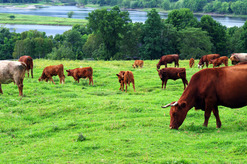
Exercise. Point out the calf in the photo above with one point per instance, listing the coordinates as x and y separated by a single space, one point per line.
206 59
192 61
29 62
174 74
138 63
218 61
12 71
53 70
77 73
126 77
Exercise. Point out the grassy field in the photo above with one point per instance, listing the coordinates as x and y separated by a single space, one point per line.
39 20
47 124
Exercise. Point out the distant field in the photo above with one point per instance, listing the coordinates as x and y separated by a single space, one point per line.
39 20
45 126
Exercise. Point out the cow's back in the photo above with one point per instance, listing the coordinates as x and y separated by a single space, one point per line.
241 56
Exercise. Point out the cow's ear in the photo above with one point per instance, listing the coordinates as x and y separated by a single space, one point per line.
117 74
183 104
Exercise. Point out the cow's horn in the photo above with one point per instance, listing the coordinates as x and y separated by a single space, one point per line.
174 104
166 105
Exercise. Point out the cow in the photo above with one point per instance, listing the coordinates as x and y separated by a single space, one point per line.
138 63
85 72
218 61
174 74
208 89
191 63
29 62
125 77
206 59
12 71
53 70
238 57
168 59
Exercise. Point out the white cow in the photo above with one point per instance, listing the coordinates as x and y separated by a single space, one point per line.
238 57
12 71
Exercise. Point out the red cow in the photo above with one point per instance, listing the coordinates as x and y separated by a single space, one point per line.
218 61
53 70
126 77
168 59
174 74
206 59
138 63
29 62
85 72
12 71
208 89
192 61
238 57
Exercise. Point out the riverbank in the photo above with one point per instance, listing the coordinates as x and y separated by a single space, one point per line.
39 20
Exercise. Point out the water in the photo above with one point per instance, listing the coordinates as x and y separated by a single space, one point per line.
82 13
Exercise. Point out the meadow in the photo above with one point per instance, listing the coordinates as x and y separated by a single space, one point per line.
79 123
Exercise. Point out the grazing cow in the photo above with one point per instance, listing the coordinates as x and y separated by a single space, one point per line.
208 89
125 77
138 63
85 72
206 59
192 61
53 70
29 62
174 74
238 57
218 61
12 71
168 59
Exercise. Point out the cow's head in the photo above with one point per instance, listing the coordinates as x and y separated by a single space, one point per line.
177 113
120 76
133 65
233 58
69 72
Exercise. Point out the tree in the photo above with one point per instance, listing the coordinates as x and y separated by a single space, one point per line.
236 39
217 32
70 14
152 46
182 19
193 42
111 26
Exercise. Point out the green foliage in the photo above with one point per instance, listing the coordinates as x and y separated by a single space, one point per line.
70 14
62 52
193 43
182 19
152 46
111 26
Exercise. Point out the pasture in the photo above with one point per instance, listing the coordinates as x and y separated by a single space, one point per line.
78 123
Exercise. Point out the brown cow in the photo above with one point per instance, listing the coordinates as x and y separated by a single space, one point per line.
218 61
238 57
85 72
209 88
174 74
29 62
168 59
138 63
206 59
12 71
53 70
192 61
125 77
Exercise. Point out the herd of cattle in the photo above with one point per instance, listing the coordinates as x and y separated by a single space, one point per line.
207 88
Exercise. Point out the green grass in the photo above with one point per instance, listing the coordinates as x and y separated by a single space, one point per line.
39 20
45 126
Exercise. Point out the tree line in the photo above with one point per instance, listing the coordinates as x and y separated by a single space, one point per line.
238 7
111 35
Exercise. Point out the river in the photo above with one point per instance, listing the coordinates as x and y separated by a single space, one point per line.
82 13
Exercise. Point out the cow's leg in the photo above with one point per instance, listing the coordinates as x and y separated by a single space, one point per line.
19 83
1 91
208 109
185 82
32 72
51 79
216 114
165 82
91 80
133 83
28 73
207 64
126 87
162 84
